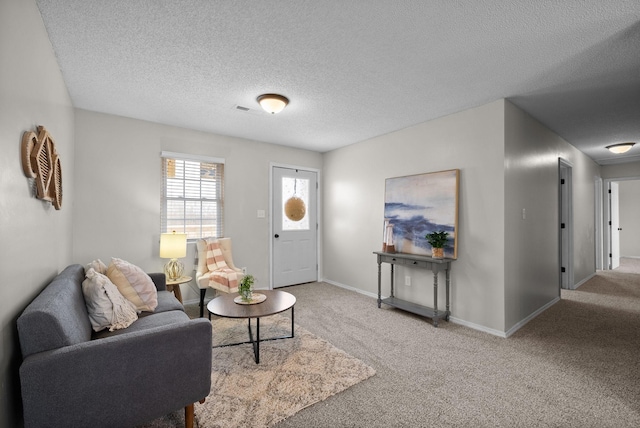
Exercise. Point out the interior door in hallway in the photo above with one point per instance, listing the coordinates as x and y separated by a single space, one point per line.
566 224
614 225
294 226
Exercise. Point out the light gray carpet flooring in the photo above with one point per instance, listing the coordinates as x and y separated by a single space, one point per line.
575 365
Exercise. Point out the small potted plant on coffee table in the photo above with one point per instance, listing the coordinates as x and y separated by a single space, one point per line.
437 240
245 287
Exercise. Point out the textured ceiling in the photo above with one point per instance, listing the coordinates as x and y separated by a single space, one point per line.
354 69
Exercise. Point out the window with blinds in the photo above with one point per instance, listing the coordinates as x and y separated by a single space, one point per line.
192 195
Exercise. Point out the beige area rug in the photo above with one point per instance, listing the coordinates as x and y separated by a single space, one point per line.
292 374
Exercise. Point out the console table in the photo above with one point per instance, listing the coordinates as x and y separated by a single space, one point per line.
423 262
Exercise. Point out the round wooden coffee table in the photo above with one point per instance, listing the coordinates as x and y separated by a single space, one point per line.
277 301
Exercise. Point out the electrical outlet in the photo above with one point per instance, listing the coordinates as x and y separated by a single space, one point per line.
407 280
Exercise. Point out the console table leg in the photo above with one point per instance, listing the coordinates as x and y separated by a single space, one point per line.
435 291
379 282
447 281
392 290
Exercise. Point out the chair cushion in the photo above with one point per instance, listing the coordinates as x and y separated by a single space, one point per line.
220 272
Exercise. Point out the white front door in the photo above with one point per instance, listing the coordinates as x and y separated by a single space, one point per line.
294 226
614 225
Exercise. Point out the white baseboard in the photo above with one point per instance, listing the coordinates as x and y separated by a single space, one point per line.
584 280
350 288
451 319
521 324
478 327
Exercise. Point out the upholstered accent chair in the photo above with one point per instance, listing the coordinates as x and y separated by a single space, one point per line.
212 274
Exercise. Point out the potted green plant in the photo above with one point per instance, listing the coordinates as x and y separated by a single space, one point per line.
245 287
437 240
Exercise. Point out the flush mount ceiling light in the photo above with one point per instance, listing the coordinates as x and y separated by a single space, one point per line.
273 103
620 148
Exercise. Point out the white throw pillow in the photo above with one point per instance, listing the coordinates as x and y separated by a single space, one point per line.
98 266
107 308
134 284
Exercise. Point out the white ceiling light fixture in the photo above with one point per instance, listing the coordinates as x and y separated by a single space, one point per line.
273 103
620 148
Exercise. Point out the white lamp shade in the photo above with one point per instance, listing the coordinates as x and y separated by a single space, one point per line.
173 245
273 103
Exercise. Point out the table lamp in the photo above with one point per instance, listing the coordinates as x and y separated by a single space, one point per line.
173 246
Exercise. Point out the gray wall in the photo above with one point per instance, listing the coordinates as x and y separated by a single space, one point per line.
117 210
629 197
531 244
507 267
36 238
472 141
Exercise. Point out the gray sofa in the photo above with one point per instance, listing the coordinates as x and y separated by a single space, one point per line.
73 377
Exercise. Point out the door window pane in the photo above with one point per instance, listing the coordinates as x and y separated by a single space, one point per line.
295 202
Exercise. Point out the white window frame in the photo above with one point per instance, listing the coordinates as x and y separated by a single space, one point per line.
186 219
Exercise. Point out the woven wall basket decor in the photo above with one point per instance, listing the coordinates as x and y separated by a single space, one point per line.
40 161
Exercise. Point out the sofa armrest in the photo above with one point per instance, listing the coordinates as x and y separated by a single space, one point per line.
160 280
121 380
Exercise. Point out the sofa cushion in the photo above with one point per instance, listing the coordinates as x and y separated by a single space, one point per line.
134 284
106 306
166 302
161 319
57 317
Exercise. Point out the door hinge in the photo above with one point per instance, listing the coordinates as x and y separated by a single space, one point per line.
609 190
562 181
563 270
610 255
609 223
562 226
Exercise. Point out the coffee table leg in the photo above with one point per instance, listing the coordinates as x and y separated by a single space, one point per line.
257 347
254 343
291 321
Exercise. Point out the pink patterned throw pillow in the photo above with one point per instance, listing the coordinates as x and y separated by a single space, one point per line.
134 284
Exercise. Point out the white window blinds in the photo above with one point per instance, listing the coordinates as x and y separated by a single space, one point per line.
192 195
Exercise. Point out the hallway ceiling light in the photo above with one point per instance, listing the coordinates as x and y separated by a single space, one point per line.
620 148
273 103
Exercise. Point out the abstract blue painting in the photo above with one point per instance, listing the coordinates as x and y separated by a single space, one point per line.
419 204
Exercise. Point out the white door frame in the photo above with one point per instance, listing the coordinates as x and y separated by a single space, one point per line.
565 205
599 207
606 247
273 165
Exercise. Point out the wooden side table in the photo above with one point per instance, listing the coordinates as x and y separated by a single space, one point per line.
175 286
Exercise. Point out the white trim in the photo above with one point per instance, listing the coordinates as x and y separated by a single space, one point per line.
190 157
522 323
599 250
478 327
348 287
606 229
451 319
584 280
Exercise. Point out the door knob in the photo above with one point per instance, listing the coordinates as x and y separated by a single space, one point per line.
276 235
